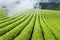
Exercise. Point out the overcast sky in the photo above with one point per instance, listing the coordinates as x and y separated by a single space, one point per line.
15 5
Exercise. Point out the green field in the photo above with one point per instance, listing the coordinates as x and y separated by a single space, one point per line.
32 24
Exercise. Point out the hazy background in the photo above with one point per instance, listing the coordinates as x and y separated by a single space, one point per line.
13 6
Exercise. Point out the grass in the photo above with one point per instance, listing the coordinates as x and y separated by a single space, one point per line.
34 24
3 14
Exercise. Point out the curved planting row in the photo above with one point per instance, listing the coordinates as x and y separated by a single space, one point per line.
34 24
51 20
13 25
12 21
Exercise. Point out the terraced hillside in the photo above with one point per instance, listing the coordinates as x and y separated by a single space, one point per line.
33 24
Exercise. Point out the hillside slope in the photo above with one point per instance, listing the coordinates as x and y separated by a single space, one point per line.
34 24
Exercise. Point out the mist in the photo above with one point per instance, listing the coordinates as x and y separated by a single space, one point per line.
15 6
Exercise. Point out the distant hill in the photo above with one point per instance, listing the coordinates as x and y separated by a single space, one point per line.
50 5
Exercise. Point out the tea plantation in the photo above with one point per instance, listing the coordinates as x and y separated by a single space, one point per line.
32 24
